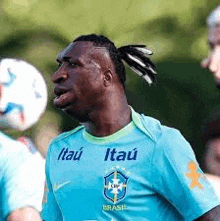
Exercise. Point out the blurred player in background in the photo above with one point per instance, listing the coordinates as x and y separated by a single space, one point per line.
119 165
23 99
212 62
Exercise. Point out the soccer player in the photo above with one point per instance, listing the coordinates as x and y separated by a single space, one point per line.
118 165
212 62
23 99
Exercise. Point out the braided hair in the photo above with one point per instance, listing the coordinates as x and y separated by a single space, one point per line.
136 56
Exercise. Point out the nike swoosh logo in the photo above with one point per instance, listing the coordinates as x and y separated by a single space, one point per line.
58 186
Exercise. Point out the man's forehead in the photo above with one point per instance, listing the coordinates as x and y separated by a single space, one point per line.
81 48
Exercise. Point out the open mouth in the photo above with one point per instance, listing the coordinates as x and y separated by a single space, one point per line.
59 93
62 98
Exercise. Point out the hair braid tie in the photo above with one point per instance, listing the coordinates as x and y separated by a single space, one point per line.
136 56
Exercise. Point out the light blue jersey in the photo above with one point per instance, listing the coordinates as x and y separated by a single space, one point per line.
21 177
144 172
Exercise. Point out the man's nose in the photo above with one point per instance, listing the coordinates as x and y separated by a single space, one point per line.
213 67
60 75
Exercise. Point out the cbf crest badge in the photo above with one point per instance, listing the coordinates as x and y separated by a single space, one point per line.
115 186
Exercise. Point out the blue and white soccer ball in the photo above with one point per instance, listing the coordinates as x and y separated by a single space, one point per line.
23 94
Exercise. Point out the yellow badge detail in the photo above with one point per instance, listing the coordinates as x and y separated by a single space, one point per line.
194 175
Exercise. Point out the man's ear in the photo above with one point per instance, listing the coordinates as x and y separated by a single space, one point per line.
108 78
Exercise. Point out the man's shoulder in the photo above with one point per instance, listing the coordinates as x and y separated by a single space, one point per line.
155 129
67 135
167 139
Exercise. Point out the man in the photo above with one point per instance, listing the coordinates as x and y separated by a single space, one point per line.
118 165
213 61
23 99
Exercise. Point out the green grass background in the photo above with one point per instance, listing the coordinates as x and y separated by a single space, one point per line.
36 30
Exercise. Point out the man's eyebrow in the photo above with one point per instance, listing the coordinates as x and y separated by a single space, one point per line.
60 59
213 44
66 58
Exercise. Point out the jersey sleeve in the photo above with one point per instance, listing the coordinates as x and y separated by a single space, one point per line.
51 210
22 182
177 176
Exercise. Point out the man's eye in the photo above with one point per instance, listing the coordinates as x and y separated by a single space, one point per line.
211 46
73 64
217 157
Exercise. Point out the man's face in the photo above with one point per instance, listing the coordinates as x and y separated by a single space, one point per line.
78 79
213 61
212 158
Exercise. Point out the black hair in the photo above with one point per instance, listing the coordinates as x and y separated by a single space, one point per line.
134 55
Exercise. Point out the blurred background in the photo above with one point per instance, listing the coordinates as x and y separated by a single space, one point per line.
37 30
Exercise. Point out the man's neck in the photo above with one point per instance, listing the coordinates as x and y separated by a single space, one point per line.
109 120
